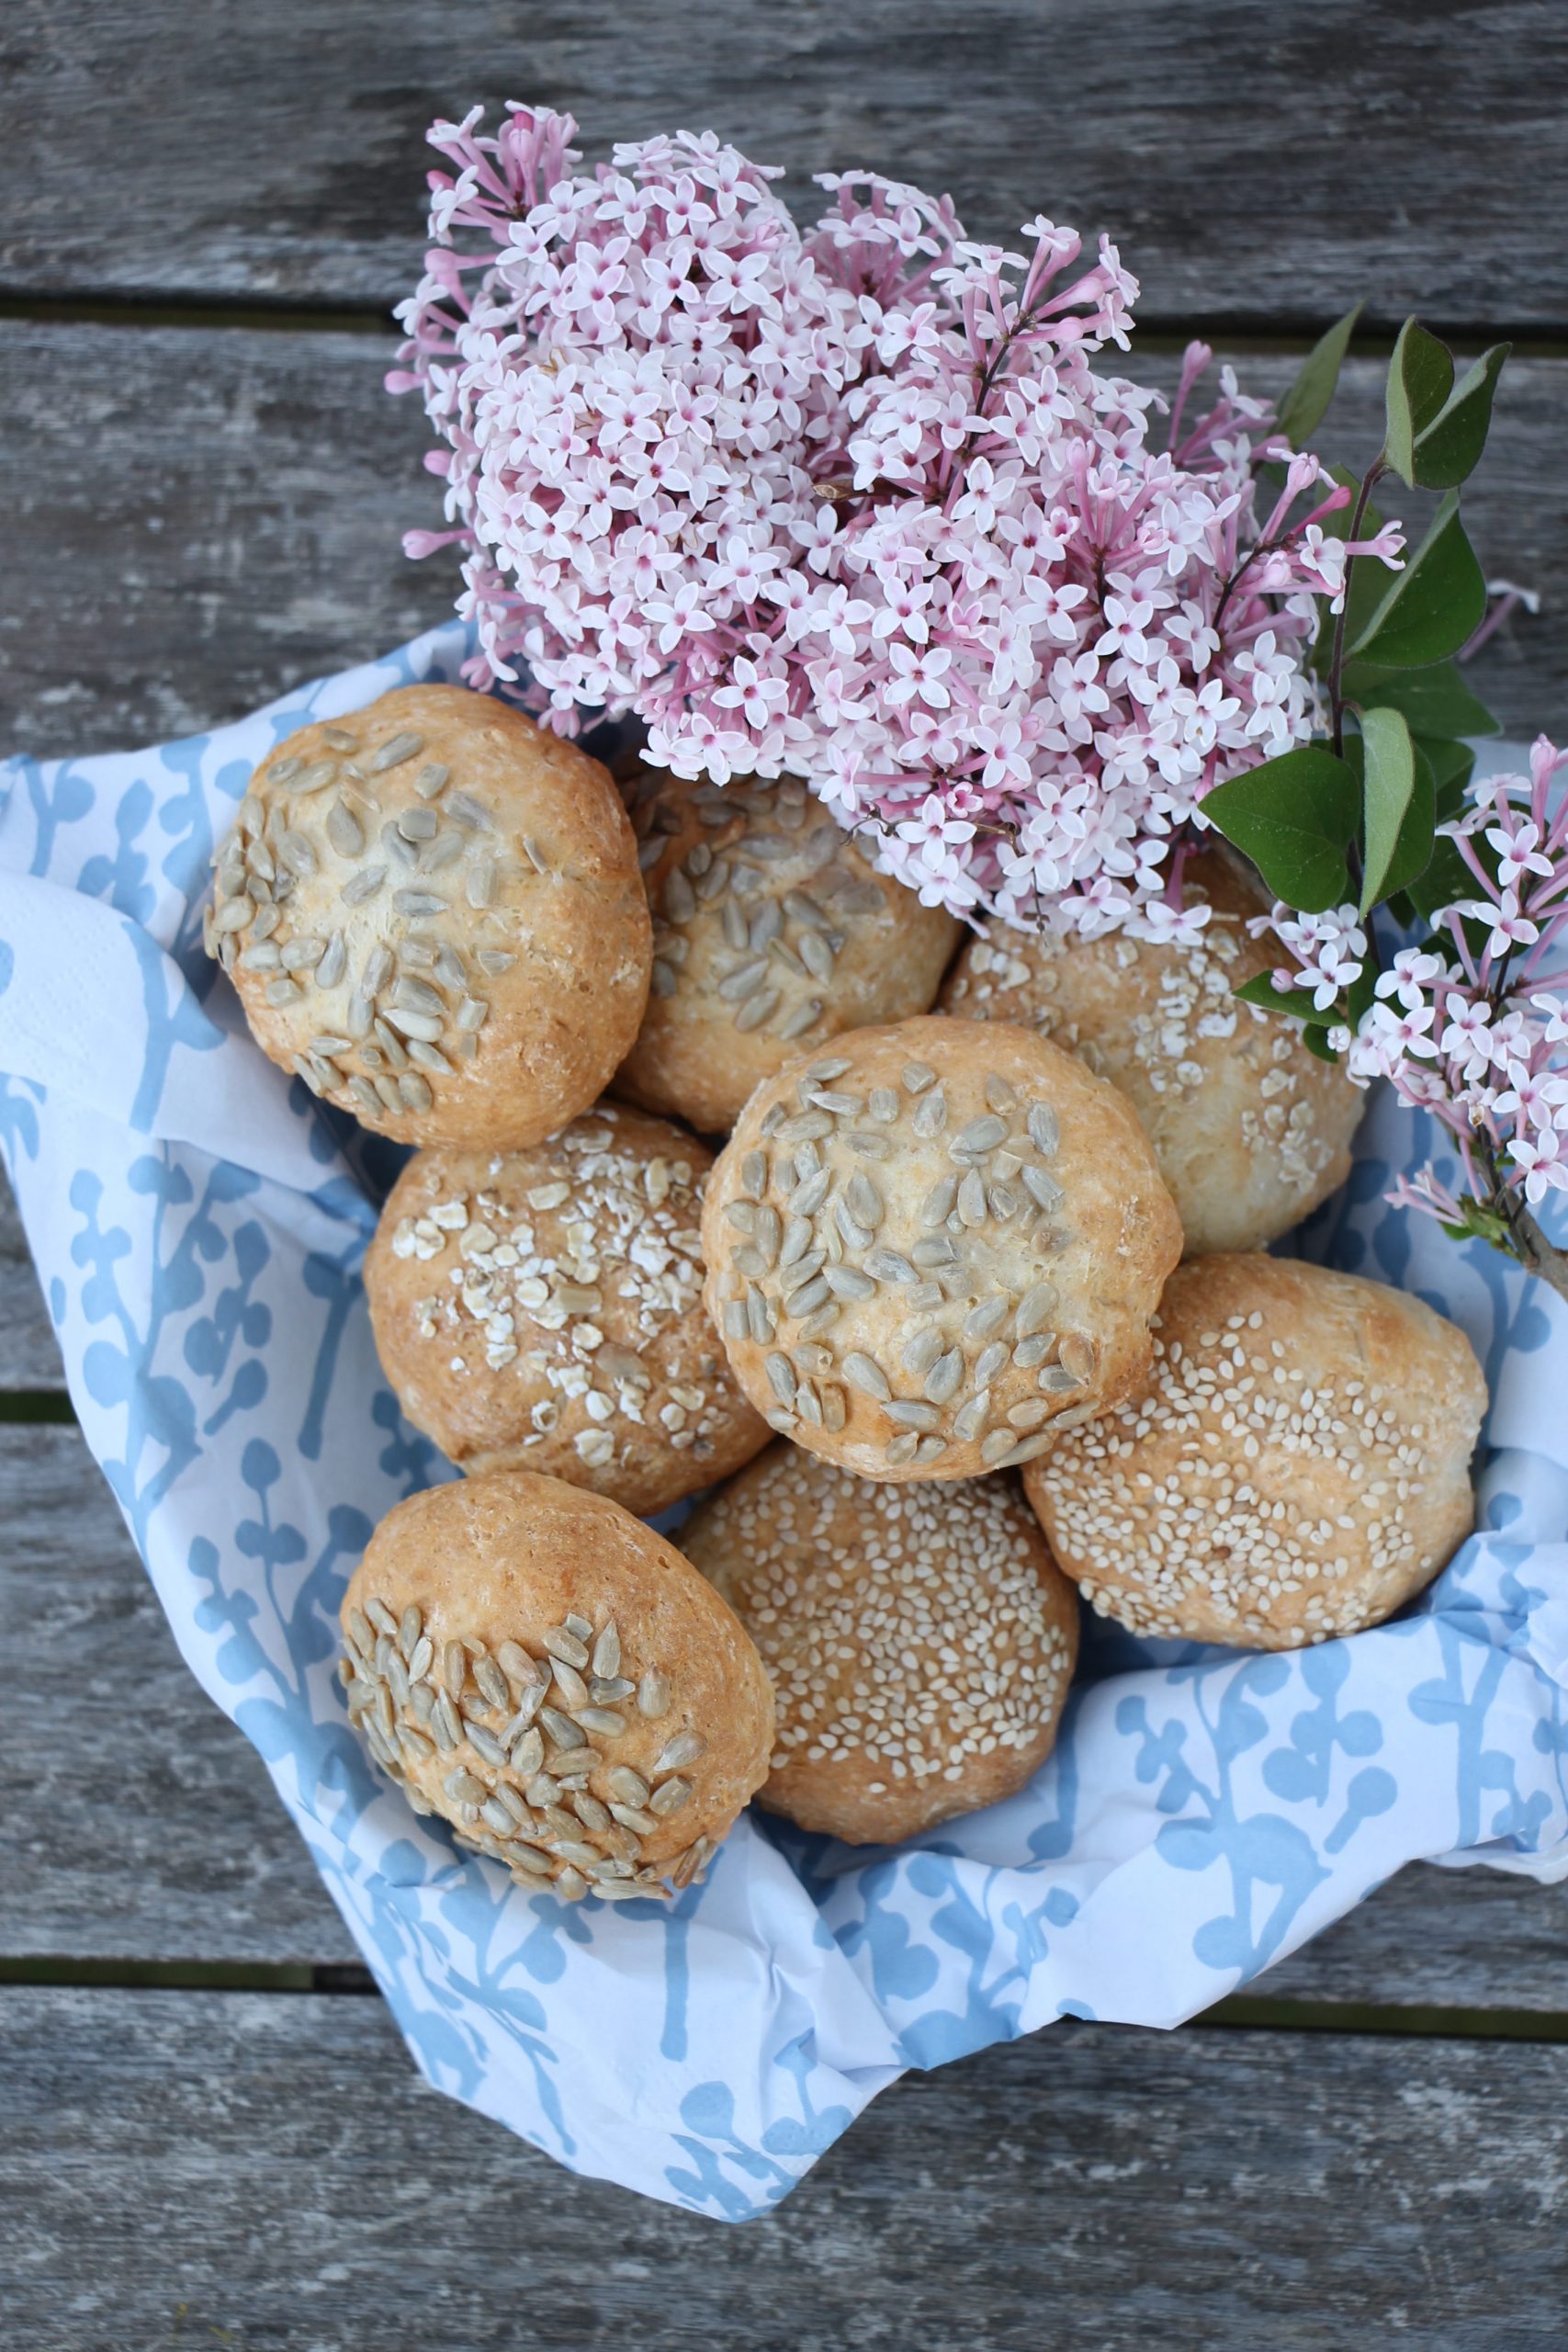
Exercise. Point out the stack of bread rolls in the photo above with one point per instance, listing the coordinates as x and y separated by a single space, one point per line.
951 1316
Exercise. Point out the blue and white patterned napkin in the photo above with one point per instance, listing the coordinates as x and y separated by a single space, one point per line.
198 1223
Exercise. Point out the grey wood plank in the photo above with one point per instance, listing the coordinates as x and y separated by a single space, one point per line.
203 1864
269 2172
197 520
1257 163
171 1886
29 1353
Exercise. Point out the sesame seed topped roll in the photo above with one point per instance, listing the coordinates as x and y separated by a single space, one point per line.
431 912
918 1638
1297 1468
928 1245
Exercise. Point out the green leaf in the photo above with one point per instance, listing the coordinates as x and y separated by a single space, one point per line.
1451 765
1449 449
1295 1005
1304 406
1420 377
1398 804
1437 701
1293 816
1316 1042
1428 610
1445 878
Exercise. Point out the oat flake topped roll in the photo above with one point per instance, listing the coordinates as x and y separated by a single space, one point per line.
543 1310
772 932
555 1679
431 912
931 1244
920 1639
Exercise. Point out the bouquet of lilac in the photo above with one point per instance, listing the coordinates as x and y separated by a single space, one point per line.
858 504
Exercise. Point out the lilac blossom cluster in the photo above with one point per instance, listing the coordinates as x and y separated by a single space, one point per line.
854 504
1472 1026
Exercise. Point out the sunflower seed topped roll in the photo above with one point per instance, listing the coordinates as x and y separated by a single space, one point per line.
771 934
930 1245
555 1679
431 912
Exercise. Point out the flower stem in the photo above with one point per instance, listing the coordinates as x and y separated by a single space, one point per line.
1374 473
1529 1245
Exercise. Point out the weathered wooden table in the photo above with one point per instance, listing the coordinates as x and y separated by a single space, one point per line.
208 2131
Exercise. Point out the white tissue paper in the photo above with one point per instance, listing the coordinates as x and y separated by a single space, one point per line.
198 1223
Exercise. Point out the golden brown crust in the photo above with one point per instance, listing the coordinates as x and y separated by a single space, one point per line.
450 941
771 934
543 1310
626 1741
920 1639
932 1242
1250 1130
1298 1468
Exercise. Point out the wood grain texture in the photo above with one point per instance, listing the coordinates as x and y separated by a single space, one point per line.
29 1353
152 1831
197 520
1095 2188
1259 164
204 1864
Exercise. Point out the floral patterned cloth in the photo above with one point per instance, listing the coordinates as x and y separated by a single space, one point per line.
198 1223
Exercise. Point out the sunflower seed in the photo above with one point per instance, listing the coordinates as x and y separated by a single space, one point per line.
527 1752
263 958
744 981
1078 1354
1042 1189
495 961
981 1135
997 1444
605 1659
804 1016
937 1206
941 1382
468 813
864 1373
983 1321
284 771
937 1249
465 1787
780 1376
344 829
918 1076
418 902
424 1025
311 779
809 1195
865 1200
479 885
233 915
562 1642
416 996
971 1199
281 993
362 884
485 1743
930 1116
1044 1130
1030 1414
491 1681
679 903
759 1316
757 1010
653 1695
334 963
393 752
431 780
848 1282
910 1413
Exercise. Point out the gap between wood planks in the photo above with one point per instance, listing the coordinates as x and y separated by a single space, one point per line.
1244 337
1239 2013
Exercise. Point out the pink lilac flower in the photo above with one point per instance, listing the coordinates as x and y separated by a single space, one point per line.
857 504
1473 1025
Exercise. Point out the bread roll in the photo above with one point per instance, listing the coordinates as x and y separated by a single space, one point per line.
1249 1128
926 1246
551 1677
543 1310
771 934
920 1639
433 914
1298 1467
